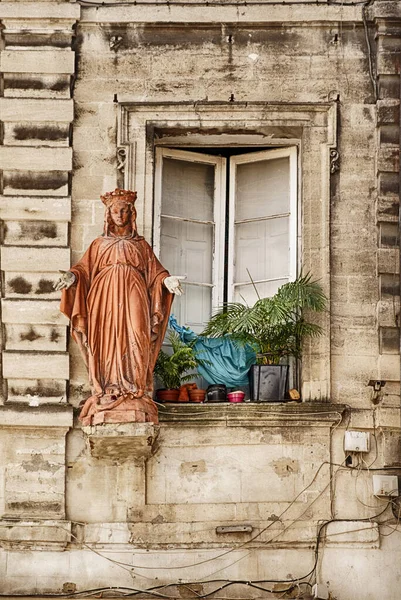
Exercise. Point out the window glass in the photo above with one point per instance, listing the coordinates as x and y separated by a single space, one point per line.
188 189
262 188
262 248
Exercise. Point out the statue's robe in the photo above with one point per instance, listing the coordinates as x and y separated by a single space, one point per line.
119 309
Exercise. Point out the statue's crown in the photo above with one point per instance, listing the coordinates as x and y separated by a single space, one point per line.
118 195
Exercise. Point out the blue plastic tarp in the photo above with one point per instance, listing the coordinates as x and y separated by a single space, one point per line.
225 361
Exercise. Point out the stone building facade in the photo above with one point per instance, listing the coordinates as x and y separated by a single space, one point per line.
96 94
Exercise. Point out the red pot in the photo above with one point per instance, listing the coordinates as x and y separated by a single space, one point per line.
197 395
167 395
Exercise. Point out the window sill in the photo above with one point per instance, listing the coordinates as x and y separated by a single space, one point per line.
252 413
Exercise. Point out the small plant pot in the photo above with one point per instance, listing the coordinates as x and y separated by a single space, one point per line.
164 395
268 383
236 396
216 392
197 395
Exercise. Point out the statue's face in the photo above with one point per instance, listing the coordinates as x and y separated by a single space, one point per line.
120 213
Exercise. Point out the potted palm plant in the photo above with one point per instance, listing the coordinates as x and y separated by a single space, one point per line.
275 327
172 367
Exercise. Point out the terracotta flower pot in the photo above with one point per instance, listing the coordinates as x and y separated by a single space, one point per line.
197 395
164 395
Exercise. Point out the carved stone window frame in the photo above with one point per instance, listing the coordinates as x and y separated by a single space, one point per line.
310 126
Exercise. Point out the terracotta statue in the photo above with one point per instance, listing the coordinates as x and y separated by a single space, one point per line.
118 298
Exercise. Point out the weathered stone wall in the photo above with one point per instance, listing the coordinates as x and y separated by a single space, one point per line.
140 74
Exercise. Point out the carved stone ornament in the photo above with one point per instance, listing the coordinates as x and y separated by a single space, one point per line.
118 306
334 160
121 158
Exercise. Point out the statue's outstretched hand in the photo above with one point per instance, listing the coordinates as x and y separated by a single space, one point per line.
173 284
66 280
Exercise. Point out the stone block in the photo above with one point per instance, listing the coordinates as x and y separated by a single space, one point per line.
388 111
388 312
34 365
389 367
388 184
389 134
389 340
37 391
42 312
35 233
36 110
389 86
388 159
58 419
387 209
33 286
121 441
388 260
35 338
36 86
25 133
35 159
390 447
17 259
35 183
35 209
389 235
37 61
388 63
389 287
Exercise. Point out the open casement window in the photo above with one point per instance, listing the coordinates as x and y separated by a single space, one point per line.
189 229
221 238
262 223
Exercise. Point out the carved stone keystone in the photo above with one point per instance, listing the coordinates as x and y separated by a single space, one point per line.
121 442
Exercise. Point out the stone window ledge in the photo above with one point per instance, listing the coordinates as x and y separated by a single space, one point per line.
252 414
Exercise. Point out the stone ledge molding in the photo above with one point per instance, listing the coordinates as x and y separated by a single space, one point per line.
34 535
50 415
220 14
247 414
108 535
39 10
385 10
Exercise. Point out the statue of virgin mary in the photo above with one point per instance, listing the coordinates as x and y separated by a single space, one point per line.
118 299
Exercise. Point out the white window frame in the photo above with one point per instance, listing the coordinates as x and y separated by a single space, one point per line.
219 213
292 154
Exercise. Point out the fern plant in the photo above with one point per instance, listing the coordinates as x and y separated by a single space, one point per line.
275 327
172 369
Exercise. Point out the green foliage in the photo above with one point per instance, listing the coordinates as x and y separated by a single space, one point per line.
171 368
275 327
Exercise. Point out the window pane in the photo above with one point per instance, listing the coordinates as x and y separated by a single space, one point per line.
186 249
262 247
246 293
194 307
263 188
188 189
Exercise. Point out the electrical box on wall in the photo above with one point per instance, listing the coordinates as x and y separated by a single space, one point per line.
356 441
385 485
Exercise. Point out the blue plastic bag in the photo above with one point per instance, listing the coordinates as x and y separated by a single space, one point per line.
224 360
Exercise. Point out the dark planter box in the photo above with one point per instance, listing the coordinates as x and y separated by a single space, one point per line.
268 383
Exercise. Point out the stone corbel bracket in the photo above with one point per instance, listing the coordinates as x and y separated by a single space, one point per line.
121 442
